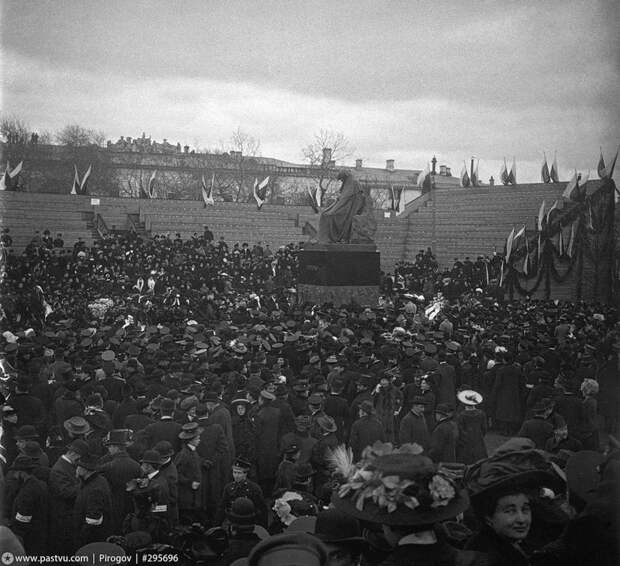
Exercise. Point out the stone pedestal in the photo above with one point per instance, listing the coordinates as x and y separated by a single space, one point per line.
339 274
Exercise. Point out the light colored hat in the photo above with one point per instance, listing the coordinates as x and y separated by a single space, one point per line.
469 397
10 337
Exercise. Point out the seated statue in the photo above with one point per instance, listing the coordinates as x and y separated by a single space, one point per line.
350 219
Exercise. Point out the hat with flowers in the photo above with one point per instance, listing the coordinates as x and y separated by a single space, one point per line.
396 486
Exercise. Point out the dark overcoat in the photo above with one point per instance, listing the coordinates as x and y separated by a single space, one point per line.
29 516
443 441
189 471
164 429
118 470
215 462
506 394
472 427
537 429
365 432
92 513
413 429
267 423
63 489
221 416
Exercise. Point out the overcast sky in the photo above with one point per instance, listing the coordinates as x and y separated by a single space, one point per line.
403 80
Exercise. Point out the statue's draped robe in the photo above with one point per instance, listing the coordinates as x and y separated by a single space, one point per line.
336 220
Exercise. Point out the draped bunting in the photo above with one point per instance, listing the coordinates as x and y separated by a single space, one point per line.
580 238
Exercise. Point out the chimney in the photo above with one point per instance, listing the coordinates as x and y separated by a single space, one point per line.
442 170
434 162
358 163
327 155
389 164
448 172
492 181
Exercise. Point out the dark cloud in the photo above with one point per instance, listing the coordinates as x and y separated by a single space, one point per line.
402 77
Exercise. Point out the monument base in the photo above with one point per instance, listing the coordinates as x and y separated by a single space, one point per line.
339 274
340 265
364 295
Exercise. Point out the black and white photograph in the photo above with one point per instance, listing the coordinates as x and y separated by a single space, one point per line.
309 283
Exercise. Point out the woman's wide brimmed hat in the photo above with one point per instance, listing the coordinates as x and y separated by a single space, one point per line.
469 397
522 468
399 487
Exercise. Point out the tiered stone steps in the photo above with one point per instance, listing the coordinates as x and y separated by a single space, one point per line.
24 213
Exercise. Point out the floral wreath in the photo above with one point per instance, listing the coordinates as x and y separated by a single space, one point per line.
364 482
99 307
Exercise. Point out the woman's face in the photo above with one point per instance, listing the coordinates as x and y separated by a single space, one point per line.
512 517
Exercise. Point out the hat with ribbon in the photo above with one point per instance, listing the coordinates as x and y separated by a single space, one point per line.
77 426
469 397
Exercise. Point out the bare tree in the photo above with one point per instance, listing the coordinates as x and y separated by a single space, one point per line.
243 148
323 152
46 137
14 130
75 135
245 143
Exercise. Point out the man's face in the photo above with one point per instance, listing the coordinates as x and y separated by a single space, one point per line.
417 409
239 474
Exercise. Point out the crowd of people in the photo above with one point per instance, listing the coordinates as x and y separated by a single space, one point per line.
173 397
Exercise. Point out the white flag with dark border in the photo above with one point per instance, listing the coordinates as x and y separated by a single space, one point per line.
509 243
541 215
260 191
84 182
554 170
76 181
207 193
151 185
